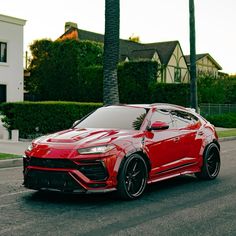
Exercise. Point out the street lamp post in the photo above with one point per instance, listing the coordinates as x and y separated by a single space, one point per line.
193 76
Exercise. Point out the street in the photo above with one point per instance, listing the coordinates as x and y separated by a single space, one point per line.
180 206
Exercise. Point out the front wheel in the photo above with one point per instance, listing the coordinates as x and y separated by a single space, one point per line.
211 163
132 178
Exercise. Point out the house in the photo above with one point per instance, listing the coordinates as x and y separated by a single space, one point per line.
11 59
173 65
205 65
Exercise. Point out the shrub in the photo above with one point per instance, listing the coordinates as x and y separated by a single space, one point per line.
34 118
135 79
178 94
224 120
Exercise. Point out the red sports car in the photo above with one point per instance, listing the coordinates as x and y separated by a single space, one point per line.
124 148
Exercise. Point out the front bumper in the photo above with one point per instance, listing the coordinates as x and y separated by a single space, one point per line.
87 176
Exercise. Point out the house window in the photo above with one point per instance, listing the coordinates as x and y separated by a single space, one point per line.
3 52
3 93
177 75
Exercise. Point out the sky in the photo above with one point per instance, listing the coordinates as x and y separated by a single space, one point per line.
151 20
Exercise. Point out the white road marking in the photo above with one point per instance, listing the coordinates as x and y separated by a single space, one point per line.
15 193
11 168
7 205
229 150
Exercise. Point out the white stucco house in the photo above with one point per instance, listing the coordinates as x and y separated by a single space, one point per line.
11 59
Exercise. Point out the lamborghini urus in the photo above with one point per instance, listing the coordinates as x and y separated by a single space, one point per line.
123 148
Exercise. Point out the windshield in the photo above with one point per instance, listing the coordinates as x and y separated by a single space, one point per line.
115 117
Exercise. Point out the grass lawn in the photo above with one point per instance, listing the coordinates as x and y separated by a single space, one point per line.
8 156
226 133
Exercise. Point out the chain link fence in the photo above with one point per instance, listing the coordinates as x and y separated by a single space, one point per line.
216 109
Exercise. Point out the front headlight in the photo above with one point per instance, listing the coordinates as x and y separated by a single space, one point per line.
96 150
30 147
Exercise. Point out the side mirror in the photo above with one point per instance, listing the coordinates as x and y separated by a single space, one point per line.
75 123
159 125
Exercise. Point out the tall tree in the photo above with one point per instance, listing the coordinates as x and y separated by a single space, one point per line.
193 76
111 52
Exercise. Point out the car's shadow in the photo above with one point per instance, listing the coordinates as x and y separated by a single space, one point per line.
160 190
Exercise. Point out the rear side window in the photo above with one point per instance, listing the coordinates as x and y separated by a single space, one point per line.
164 116
183 119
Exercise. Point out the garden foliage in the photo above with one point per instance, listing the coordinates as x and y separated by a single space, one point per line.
36 118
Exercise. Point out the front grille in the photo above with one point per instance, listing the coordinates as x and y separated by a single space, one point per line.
52 163
94 170
36 179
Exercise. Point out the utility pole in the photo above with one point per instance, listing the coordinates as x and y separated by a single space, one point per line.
193 75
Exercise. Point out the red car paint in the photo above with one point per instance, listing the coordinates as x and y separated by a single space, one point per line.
168 152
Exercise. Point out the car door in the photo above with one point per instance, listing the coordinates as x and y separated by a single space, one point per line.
162 145
187 126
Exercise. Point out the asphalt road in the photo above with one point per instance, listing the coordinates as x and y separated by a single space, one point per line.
181 206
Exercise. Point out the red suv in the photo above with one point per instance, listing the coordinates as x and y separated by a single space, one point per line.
124 148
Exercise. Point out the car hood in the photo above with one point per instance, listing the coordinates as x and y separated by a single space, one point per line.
77 138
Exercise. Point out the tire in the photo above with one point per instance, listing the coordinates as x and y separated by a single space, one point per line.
211 163
132 178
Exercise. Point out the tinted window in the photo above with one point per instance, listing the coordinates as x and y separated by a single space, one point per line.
183 119
115 117
164 116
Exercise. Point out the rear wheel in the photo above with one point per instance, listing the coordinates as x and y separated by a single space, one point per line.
211 163
132 178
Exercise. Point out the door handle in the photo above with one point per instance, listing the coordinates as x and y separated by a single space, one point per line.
176 139
200 133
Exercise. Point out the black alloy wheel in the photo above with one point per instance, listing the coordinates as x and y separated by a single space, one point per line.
211 163
132 179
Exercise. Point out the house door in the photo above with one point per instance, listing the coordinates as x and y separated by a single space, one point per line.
3 93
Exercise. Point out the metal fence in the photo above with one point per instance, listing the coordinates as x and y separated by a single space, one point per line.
216 109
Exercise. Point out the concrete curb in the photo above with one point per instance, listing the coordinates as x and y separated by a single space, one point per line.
227 139
16 162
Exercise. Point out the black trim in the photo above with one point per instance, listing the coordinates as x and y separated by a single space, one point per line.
174 168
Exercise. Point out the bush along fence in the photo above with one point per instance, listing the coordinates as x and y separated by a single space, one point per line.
224 120
208 109
33 119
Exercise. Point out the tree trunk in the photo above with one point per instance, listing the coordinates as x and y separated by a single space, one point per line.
193 76
111 52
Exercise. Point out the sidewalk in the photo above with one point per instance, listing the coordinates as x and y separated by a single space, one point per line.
8 146
18 148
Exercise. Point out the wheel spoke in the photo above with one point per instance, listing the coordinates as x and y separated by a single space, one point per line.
134 167
129 184
136 173
209 159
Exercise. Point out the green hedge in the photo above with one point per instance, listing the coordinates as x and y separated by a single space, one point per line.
178 94
36 118
135 81
223 120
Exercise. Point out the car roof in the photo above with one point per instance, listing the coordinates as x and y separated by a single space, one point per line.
157 105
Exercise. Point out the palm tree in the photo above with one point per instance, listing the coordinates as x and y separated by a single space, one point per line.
111 52
193 79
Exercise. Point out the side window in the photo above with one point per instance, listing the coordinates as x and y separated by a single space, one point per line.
183 119
3 52
164 116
